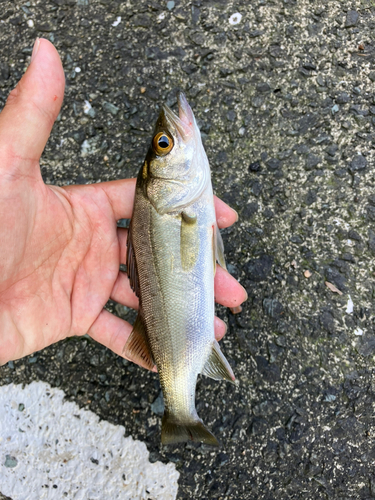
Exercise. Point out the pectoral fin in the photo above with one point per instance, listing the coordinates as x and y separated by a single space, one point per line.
189 218
218 247
217 367
189 241
137 347
131 264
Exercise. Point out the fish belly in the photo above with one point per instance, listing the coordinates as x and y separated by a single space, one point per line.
177 303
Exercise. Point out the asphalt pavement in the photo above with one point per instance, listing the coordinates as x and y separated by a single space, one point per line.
284 95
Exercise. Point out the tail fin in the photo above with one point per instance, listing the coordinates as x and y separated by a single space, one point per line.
175 432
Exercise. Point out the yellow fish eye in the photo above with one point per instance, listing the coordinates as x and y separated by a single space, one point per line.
162 143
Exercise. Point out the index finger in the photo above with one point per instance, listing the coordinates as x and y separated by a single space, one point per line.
121 196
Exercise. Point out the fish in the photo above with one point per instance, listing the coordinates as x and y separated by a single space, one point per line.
173 248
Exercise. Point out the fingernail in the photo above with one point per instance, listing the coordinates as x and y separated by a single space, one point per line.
35 49
236 214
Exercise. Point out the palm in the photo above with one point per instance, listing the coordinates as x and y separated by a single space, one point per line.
63 272
60 247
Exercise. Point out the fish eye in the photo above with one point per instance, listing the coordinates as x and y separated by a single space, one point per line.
162 143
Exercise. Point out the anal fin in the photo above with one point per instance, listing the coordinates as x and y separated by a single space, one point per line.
137 347
217 367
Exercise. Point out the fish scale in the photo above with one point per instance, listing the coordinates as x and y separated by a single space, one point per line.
191 316
173 244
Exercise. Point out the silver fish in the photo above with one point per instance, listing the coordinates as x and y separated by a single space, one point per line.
173 246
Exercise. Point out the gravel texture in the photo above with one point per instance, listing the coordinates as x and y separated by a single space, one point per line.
284 95
54 449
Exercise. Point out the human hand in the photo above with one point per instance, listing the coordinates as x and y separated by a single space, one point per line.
60 247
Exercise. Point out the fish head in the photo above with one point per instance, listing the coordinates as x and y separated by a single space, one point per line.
176 170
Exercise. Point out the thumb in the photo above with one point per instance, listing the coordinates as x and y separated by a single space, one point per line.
31 109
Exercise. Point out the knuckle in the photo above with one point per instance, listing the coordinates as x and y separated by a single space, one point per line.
15 94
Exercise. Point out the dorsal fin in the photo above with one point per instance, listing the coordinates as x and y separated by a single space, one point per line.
131 264
217 367
137 347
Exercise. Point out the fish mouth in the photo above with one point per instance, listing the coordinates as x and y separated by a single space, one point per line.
183 124
185 112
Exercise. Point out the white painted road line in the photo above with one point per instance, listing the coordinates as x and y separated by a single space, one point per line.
52 449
